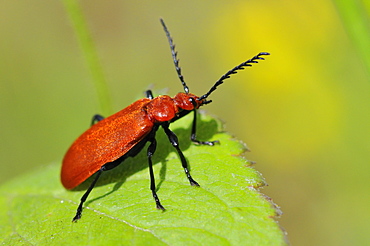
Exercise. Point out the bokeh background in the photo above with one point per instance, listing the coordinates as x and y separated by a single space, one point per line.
304 112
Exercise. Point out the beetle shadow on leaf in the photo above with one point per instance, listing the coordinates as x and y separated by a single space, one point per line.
118 175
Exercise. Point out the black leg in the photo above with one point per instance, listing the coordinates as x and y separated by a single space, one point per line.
149 94
175 143
84 197
96 118
194 135
151 149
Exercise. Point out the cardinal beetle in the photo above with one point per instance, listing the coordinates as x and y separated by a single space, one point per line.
111 140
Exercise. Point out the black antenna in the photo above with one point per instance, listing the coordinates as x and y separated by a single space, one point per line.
174 56
234 71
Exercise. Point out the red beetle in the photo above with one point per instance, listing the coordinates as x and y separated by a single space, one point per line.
111 140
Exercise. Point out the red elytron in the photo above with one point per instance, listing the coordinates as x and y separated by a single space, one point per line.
111 140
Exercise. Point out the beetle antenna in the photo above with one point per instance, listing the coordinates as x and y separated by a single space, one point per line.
234 71
174 56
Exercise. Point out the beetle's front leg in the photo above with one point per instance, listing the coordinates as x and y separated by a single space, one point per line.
193 135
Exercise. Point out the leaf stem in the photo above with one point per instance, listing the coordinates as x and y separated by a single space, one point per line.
90 54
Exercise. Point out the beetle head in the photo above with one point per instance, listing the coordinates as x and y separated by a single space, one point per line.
188 101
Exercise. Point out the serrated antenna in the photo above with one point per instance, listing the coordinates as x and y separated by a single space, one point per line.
174 56
234 71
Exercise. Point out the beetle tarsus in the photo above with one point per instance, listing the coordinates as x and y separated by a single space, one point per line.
157 202
193 182
209 143
77 217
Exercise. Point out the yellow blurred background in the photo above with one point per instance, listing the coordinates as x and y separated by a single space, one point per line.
304 112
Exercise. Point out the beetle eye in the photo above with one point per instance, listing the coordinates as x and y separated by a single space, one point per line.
193 102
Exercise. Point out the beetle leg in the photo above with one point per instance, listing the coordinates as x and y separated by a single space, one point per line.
149 94
84 197
151 149
175 143
96 118
193 135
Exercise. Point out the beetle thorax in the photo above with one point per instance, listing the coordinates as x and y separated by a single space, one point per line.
161 109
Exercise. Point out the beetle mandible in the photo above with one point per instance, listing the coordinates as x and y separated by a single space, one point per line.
111 140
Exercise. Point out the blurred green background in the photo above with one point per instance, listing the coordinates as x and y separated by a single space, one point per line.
304 112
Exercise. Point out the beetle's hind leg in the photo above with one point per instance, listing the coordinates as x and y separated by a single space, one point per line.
105 167
84 197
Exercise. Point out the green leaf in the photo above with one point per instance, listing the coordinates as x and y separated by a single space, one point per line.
227 209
